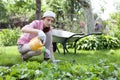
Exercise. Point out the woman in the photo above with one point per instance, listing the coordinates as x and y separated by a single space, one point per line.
42 29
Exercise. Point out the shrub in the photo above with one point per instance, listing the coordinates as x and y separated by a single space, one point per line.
93 42
8 37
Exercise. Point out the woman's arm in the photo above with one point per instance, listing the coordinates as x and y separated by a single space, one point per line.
28 29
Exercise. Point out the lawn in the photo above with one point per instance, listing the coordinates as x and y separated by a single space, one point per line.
85 65
10 56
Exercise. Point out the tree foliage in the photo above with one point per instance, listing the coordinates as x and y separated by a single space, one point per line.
116 17
115 25
3 12
68 10
19 8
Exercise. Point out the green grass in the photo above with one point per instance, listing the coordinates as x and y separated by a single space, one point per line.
92 57
10 56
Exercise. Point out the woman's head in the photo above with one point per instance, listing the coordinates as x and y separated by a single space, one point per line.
48 18
49 14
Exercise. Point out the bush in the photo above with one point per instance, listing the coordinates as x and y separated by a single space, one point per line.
8 37
93 42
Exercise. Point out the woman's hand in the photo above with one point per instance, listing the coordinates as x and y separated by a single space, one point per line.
42 36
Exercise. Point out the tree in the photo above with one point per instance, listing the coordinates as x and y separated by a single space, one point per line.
86 4
19 11
115 24
38 9
3 12
70 7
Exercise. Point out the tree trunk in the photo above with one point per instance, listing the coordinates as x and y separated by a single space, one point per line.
89 20
38 9
86 4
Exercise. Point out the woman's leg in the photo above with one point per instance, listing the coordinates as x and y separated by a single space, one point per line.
48 44
29 54
26 52
23 48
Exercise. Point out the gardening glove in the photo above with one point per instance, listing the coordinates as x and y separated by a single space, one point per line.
42 36
56 61
48 52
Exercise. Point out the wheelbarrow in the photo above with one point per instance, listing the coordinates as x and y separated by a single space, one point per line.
63 37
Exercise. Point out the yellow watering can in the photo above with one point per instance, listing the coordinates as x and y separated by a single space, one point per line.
36 44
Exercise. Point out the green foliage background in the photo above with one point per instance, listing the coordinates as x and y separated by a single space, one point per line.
115 28
9 37
94 42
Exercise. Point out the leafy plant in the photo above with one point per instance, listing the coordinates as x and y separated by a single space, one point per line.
9 37
64 70
98 42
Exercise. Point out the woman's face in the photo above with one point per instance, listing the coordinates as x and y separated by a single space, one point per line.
47 21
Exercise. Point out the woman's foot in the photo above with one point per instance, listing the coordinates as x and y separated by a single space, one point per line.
46 59
23 59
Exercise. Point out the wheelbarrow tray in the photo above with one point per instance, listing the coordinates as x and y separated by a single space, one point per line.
60 36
